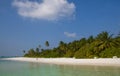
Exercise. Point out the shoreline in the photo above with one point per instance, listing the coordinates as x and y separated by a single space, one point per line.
70 61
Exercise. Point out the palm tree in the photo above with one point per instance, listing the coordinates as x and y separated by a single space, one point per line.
24 51
47 43
90 39
104 40
39 47
31 52
37 50
117 39
63 47
61 43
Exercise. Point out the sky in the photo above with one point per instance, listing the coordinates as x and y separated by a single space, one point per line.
26 24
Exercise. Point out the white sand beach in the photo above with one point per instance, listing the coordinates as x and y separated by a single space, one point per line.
71 61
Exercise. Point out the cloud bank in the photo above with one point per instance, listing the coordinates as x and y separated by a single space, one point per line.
72 35
46 9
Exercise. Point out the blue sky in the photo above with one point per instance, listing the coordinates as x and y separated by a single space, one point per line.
25 24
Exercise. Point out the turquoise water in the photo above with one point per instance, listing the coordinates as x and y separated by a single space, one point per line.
14 68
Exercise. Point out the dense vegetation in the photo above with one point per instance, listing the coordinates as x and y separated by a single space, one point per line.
102 46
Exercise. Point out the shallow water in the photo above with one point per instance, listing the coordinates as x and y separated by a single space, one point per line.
15 68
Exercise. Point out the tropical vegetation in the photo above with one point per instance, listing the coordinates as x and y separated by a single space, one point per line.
103 45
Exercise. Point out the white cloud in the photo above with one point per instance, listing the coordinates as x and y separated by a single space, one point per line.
70 34
46 10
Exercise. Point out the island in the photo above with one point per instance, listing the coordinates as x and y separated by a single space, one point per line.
102 50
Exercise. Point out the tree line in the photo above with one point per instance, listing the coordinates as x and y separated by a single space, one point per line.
104 45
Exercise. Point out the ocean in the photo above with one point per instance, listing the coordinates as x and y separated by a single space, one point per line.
17 68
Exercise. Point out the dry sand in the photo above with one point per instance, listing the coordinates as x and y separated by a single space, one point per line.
71 61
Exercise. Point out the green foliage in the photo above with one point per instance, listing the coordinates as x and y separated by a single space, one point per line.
69 54
104 40
31 53
103 45
84 52
110 52
90 39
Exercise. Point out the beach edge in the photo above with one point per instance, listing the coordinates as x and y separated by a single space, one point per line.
70 61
